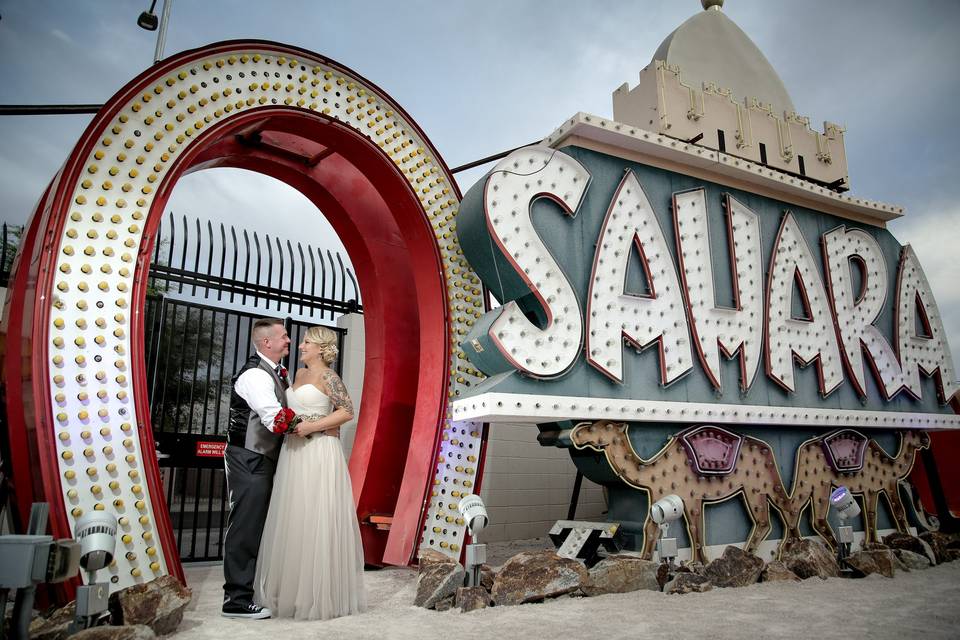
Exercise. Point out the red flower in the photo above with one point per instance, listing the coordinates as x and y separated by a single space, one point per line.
285 421
283 373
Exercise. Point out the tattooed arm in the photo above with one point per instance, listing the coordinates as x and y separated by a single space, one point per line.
337 391
333 387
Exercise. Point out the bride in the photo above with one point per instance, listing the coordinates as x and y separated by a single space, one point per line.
310 565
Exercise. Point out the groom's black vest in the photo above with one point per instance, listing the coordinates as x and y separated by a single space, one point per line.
245 428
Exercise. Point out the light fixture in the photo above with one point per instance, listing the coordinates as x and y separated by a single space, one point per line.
96 532
664 511
847 508
474 514
148 19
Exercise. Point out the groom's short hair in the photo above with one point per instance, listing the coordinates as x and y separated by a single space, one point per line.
261 328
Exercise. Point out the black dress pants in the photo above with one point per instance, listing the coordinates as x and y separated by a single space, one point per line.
249 483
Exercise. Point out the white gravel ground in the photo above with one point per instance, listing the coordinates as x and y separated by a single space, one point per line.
920 604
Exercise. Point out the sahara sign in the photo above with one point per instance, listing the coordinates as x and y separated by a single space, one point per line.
696 272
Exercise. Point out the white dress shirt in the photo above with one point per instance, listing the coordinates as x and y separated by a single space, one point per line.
257 387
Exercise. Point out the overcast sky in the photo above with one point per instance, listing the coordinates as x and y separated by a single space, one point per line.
482 77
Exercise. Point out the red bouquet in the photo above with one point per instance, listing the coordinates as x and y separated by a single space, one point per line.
286 421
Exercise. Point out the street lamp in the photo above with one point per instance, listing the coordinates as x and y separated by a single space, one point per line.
148 20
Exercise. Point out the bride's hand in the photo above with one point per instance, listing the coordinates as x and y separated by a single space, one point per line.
304 429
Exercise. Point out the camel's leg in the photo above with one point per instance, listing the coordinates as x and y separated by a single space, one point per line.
870 499
760 511
650 533
896 507
819 504
694 517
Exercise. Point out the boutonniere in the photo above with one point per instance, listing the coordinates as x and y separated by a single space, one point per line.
283 372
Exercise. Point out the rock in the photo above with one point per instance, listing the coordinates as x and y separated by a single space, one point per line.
808 558
735 568
880 561
54 626
620 574
487 575
444 605
429 555
664 575
535 575
938 542
874 546
472 598
776 571
952 554
159 604
691 567
438 579
910 543
124 632
912 561
687 582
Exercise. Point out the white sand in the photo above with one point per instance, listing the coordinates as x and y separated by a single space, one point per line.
912 605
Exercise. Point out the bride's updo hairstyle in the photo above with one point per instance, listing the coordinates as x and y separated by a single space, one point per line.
326 340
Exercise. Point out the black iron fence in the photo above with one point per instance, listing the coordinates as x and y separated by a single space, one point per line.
208 285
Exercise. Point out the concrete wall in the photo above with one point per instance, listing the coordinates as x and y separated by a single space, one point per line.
525 487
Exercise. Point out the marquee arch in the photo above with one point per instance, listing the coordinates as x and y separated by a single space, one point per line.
74 370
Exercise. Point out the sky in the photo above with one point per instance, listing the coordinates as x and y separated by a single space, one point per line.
484 77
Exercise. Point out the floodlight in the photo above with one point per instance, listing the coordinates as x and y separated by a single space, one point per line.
474 514
96 532
148 19
664 511
847 507
667 509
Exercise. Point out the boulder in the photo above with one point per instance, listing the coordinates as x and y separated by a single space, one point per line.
776 571
687 582
952 554
438 579
487 575
535 575
693 566
620 574
912 561
735 568
809 558
124 632
54 626
910 543
939 542
664 574
429 555
159 604
865 563
444 605
472 598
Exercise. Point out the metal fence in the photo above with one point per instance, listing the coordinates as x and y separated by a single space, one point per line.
207 286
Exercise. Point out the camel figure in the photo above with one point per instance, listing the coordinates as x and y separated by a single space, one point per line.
814 477
754 474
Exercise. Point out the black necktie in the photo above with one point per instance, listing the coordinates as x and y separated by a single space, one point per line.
280 375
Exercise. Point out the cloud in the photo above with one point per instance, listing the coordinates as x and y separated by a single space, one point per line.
60 35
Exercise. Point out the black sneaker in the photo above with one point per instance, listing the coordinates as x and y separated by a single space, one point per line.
250 611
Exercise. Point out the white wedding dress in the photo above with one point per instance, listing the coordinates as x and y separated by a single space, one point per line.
310 565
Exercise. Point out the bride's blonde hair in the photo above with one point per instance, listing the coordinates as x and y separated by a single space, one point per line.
326 340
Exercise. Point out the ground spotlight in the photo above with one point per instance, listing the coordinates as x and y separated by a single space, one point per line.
846 505
96 532
663 512
474 514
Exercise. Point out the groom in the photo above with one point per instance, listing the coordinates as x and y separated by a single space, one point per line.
251 459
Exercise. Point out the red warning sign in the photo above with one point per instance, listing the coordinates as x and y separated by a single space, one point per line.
211 449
